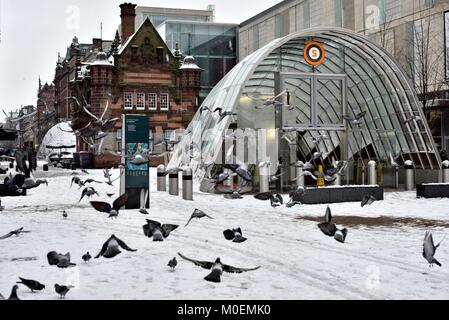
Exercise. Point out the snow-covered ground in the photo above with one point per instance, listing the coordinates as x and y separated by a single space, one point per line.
297 261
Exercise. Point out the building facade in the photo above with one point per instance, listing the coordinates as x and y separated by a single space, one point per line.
158 15
412 31
212 44
142 76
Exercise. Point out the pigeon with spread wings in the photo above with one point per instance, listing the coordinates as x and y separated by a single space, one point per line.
217 268
158 231
14 233
107 208
111 248
197 213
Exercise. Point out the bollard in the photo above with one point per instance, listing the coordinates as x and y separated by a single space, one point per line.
161 178
173 188
445 171
337 181
363 175
396 177
372 172
17 169
264 180
45 167
299 177
409 175
187 184
11 165
320 180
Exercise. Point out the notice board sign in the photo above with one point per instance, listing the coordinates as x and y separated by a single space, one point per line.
136 143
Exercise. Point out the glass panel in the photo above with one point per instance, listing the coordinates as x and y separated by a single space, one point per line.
299 111
329 102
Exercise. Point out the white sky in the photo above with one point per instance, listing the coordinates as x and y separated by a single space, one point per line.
34 31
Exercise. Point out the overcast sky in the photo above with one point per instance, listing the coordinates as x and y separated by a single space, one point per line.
34 31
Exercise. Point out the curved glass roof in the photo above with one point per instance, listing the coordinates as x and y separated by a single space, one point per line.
375 83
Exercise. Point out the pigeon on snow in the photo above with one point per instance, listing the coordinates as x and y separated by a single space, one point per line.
217 268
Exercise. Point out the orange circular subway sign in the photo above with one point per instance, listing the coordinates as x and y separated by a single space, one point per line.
314 53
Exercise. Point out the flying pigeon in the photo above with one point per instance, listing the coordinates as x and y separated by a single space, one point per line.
368 199
173 263
412 118
429 249
223 114
203 109
107 208
13 295
234 234
275 200
14 233
110 194
356 119
60 260
340 235
77 180
111 248
241 170
157 230
62 290
85 171
328 227
86 257
91 181
296 192
197 213
31 284
217 268
89 191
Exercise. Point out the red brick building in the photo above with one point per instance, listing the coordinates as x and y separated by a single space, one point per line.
142 76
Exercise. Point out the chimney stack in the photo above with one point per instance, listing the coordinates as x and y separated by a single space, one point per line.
128 15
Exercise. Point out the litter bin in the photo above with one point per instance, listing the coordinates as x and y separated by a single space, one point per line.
86 159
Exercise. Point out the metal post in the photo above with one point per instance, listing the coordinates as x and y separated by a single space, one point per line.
264 180
409 175
396 177
363 175
299 177
187 184
173 187
372 172
161 178
445 171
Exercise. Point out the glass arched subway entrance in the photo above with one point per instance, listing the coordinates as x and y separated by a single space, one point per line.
374 82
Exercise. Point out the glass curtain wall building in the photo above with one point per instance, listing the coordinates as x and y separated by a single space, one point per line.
375 83
212 44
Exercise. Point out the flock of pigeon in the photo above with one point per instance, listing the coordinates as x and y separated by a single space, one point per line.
159 232
113 245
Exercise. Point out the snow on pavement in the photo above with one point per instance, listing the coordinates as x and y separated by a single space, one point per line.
297 261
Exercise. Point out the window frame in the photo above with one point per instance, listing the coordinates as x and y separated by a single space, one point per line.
149 96
124 100
167 95
142 106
